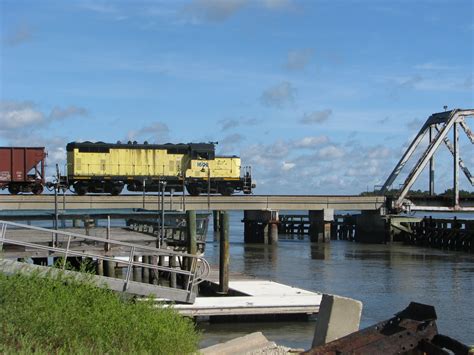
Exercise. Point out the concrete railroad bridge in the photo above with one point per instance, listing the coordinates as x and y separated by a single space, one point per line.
263 209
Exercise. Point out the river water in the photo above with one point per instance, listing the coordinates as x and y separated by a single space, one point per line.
386 278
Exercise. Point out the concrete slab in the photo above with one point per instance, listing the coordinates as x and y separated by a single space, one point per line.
241 345
338 317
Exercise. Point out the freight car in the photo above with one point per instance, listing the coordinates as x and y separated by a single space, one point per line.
22 169
106 167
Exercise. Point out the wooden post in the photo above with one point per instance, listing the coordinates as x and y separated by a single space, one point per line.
145 270
172 261
216 221
137 275
224 253
109 268
154 275
107 235
161 274
100 267
191 232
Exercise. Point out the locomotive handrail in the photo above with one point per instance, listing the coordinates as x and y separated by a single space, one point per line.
196 271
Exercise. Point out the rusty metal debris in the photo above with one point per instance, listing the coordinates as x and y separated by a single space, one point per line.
411 331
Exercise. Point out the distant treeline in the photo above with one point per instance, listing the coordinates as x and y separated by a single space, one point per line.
419 193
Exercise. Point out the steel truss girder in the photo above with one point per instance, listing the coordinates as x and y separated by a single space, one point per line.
447 119
461 162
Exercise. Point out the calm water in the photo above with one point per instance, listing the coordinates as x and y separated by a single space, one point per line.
384 277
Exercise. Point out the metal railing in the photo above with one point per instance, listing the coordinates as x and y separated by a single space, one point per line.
194 268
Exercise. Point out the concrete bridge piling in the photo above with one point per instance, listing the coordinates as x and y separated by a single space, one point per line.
261 226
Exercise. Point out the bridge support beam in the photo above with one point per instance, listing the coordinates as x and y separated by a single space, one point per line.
261 226
320 225
372 227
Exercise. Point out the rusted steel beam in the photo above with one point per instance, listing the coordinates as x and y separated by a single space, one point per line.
414 328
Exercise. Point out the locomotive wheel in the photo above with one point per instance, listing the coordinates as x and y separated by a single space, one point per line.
13 189
227 191
80 189
37 189
116 190
193 190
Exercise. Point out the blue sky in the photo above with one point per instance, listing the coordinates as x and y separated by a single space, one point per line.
318 96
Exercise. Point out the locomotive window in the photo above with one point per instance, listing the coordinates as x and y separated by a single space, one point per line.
177 150
94 150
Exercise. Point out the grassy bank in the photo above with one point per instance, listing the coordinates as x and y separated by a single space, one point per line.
57 315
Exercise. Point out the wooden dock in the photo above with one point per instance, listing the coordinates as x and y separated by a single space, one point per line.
247 295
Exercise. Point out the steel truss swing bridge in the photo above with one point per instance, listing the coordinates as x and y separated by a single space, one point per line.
437 127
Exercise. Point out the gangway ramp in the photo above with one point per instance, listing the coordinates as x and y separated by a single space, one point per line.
192 269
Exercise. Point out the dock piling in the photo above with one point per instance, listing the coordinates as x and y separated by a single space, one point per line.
224 256
320 225
137 275
216 220
109 268
145 270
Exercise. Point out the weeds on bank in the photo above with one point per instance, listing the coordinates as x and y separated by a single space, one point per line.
61 315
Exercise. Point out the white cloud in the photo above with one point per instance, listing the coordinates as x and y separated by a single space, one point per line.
58 113
157 132
25 116
379 152
433 66
228 124
279 96
330 152
298 59
230 143
18 115
310 142
285 166
316 117
212 10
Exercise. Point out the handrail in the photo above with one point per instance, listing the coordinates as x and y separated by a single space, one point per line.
197 271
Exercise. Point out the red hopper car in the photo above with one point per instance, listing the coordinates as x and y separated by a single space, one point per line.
22 169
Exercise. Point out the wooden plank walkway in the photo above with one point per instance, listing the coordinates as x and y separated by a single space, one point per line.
40 237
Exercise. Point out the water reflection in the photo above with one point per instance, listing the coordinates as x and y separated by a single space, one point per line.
384 277
321 251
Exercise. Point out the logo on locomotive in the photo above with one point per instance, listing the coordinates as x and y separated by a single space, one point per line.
203 164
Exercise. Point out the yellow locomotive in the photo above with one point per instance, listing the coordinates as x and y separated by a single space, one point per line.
106 167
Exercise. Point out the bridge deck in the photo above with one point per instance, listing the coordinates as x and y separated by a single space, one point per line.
237 202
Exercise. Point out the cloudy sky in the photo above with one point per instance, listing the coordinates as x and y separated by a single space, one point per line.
317 96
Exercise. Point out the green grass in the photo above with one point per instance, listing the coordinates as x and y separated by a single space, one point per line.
60 315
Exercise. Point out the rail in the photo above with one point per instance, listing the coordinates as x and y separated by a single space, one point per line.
194 268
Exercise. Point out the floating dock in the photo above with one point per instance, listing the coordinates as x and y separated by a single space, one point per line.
249 296
259 297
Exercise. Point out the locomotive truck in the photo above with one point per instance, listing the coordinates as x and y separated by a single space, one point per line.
108 167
